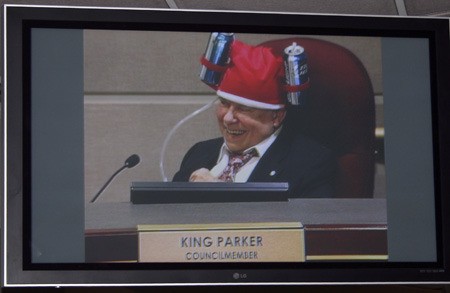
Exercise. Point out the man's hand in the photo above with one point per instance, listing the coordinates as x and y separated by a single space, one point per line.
202 175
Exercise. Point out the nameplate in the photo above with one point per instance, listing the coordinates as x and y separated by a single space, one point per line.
237 242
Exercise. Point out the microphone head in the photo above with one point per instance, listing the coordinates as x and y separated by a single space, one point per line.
132 161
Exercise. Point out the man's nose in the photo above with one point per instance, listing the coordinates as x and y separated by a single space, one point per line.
229 115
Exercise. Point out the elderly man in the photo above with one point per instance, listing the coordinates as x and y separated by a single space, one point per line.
255 145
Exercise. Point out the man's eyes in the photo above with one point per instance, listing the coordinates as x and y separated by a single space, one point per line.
244 109
224 103
241 109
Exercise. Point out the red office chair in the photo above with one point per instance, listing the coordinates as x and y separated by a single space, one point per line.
339 111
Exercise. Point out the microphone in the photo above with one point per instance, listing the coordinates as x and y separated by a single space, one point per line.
130 162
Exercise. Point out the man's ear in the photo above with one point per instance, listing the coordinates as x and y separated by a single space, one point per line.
278 117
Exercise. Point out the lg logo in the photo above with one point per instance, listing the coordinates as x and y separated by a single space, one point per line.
238 276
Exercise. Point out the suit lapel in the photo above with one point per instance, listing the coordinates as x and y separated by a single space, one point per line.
272 164
210 156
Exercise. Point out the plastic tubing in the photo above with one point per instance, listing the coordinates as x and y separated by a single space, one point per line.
172 132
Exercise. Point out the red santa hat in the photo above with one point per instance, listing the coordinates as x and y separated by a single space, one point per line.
253 77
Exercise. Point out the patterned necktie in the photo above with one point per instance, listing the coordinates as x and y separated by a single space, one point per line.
235 162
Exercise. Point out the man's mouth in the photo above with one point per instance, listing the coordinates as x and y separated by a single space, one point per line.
234 132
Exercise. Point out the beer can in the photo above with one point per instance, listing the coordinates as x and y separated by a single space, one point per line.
216 57
296 71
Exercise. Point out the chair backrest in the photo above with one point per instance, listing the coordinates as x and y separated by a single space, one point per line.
339 111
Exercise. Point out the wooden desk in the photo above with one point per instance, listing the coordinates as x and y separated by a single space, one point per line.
334 228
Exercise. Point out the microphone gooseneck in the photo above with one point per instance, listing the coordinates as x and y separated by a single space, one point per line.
130 162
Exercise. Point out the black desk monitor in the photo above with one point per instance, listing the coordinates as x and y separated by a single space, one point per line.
202 192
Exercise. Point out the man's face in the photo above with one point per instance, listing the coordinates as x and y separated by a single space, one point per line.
243 127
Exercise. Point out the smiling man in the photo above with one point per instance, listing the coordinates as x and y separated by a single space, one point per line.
255 145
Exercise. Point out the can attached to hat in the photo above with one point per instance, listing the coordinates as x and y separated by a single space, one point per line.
296 71
216 58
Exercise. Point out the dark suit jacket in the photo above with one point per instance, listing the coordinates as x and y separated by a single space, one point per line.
307 166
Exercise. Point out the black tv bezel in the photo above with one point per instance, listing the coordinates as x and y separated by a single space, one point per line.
19 19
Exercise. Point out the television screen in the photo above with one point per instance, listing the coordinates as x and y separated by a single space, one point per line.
149 147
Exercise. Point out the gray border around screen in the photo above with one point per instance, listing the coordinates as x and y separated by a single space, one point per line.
57 145
409 150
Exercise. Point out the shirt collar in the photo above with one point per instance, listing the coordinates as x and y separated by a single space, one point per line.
260 148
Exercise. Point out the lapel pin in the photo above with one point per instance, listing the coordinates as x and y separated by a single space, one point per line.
272 173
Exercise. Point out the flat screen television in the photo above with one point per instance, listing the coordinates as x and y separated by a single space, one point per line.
86 87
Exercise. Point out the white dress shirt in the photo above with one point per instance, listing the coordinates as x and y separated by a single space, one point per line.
244 173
